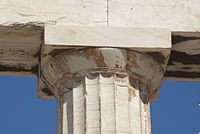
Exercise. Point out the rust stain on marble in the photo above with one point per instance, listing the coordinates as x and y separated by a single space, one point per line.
97 55
119 79
118 66
132 60
107 74
131 92
71 32
90 52
149 119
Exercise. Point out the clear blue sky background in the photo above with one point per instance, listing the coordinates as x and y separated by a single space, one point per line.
176 112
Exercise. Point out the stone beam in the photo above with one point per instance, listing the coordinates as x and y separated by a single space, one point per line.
176 15
40 12
184 63
20 50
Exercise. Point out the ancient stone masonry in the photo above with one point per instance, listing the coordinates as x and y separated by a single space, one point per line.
102 90
104 60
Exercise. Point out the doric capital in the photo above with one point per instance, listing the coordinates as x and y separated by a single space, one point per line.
70 53
74 65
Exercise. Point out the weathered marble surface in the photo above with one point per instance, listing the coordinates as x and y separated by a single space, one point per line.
176 15
22 24
107 105
20 50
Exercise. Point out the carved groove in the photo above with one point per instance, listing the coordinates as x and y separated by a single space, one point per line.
109 104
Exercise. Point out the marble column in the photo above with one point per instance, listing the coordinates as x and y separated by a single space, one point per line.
103 90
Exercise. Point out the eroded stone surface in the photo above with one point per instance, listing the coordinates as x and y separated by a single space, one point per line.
67 66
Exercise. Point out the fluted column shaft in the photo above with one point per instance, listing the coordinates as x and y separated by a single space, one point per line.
100 104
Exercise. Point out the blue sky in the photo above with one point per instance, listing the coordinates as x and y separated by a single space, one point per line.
176 112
